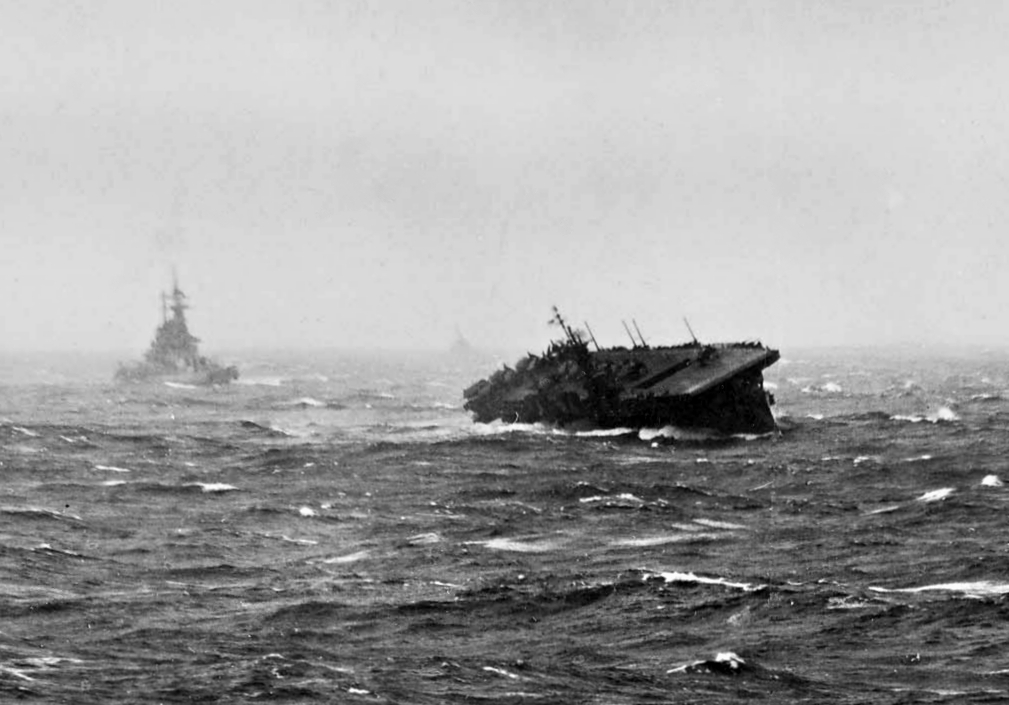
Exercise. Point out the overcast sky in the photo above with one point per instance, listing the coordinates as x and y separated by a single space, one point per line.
376 174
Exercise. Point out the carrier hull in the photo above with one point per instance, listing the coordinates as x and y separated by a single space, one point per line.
717 387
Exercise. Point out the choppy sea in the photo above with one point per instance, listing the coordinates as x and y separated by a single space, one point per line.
334 528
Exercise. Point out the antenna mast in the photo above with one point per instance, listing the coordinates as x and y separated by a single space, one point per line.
634 343
591 336
643 343
696 342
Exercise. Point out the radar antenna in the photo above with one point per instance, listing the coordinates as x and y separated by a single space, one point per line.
572 338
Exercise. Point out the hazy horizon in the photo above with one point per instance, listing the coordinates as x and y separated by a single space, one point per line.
369 175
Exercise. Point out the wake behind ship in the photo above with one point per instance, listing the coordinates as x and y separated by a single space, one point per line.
717 387
174 355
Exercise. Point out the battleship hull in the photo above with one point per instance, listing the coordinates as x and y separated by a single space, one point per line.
209 376
716 387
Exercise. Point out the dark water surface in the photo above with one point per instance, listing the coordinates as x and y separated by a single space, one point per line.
335 529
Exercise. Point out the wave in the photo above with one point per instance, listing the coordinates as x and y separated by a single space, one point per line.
986 397
724 663
260 381
977 588
263 429
368 394
826 388
40 513
208 487
676 433
179 385
937 495
310 403
941 415
185 488
676 577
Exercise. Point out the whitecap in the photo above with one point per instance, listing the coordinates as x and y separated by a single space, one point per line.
883 510
726 658
690 535
622 497
713 524
48 661
505 544
500 672
349 558
112 468
827 388
180 385
978 588
679 434
604 432
991 481
500 427
17 673
846 603
985 397
753 436
213 486
40 512
918 458
113 483
307 512
936 495
676 577
941 415
25 431
48 548
263 381
304 401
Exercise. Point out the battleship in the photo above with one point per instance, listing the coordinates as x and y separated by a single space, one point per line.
174 355
717 387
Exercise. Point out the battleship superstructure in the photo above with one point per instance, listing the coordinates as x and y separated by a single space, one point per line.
174 355
695 385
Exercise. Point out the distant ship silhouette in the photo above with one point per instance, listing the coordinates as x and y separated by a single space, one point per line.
174 355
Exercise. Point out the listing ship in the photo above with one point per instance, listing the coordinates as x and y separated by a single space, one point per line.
174 355
718 387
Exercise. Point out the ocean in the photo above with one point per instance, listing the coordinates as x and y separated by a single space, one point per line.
334 528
